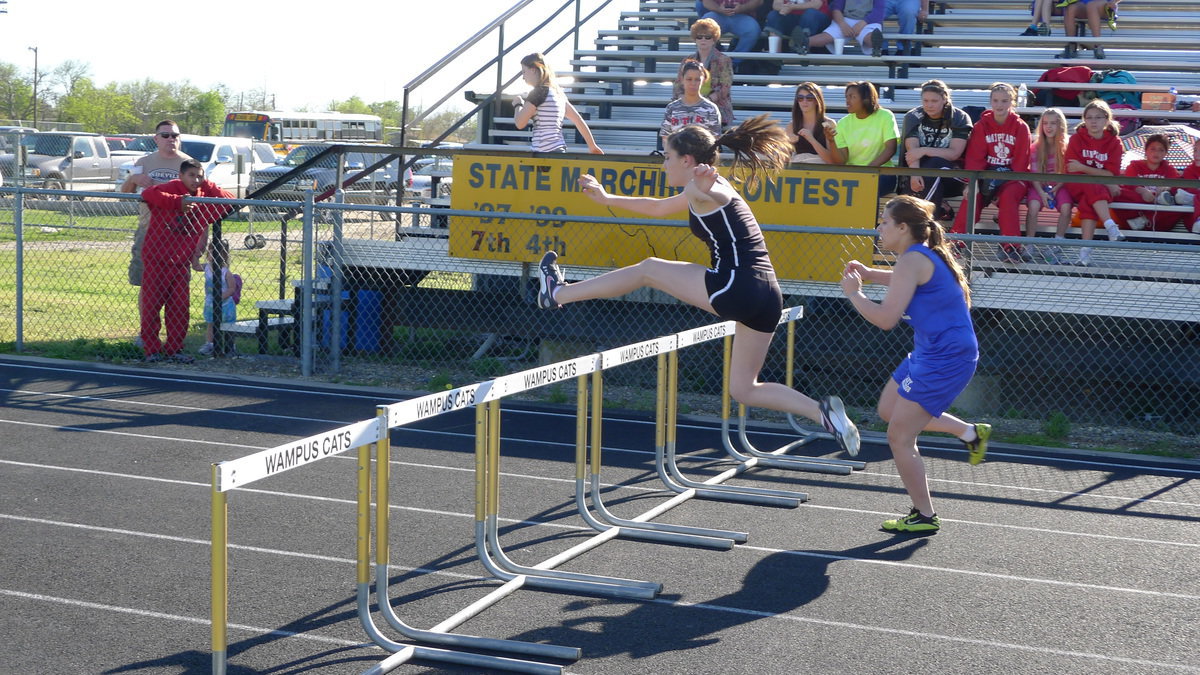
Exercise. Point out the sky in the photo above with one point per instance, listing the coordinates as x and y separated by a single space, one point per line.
284 47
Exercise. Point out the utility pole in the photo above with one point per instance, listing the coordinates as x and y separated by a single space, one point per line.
35 81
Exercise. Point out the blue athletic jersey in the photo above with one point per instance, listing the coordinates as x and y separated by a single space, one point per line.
939 314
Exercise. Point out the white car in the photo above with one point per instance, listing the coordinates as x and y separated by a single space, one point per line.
218 155
422 180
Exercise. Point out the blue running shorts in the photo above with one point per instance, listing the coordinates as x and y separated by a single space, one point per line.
933 384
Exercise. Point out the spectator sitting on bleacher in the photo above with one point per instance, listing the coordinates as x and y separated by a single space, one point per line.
691 108
798 20
1040 12
735 16
867 135
1048 156
811 133
546 107
1188 196
1093 9
999 142
858 19
907 13
705 33
1094 150
1154 166
935 135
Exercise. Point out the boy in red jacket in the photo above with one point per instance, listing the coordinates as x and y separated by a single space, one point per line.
1094 150
999 142
175 238
1188 196
1154 166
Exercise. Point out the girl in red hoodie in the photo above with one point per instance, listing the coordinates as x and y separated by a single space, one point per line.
999 142
1094 150
1153 166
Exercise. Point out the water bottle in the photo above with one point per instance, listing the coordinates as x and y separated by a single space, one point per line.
1022 96
1051 203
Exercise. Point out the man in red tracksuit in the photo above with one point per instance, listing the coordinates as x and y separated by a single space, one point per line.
175 238
1000 141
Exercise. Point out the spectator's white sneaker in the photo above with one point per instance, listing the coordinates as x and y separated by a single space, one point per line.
206 350
1113 230
1184 198
1165 198
1196 227
1138 223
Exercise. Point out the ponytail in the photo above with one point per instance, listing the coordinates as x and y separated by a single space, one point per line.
759 143
917 214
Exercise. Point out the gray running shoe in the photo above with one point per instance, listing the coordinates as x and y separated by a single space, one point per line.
836 422
549 278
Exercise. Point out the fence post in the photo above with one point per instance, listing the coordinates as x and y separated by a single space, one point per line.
19 229
306 288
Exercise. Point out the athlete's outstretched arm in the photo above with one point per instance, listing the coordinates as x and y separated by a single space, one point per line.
910 268
647 206
871 274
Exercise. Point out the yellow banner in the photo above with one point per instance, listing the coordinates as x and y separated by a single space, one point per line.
550 186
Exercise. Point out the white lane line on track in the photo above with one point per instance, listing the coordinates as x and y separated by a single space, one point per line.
934 636
1063 493
238 547
548 413
172 406
661 601
1023 528
453 514
84 604
976 573
291 495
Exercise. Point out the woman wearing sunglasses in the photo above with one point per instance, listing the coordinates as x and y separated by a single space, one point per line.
810 132
706 32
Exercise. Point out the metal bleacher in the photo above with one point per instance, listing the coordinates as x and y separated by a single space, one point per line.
622 84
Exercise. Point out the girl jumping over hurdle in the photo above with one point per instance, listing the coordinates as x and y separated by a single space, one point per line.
739 286
928 289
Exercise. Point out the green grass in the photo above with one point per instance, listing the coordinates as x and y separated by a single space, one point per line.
80 222
72 294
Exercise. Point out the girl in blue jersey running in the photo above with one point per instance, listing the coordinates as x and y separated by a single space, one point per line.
739 285
927 289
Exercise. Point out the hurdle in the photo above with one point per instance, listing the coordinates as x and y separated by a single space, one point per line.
777 458
604 519
241 472
485 398
666 416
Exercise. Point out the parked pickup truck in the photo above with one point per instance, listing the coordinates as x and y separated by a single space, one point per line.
61 160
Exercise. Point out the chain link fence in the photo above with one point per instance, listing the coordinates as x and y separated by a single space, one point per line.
365 281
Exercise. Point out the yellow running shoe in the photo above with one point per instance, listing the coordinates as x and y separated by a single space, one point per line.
977 448
914 522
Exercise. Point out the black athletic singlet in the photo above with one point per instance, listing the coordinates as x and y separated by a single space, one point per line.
740 280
